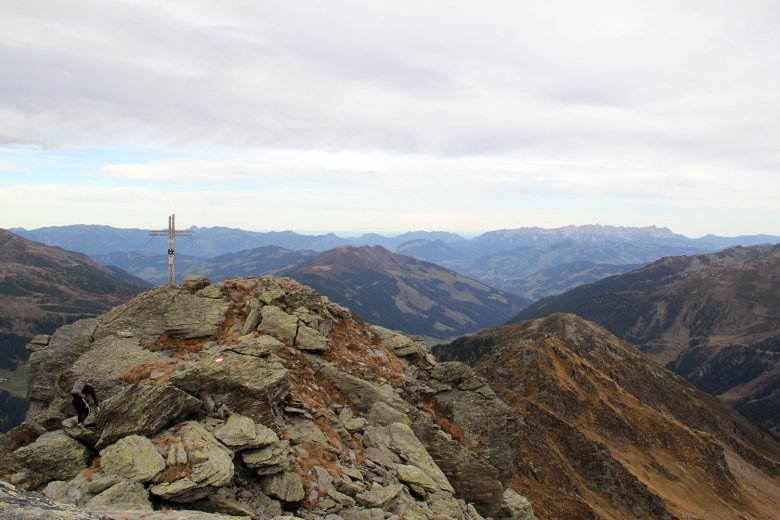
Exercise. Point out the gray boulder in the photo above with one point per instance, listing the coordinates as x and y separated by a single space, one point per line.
286 487
248 385
134 458
126 495
277 323
401 344
53 456
144 410
195 454
240 432
268 460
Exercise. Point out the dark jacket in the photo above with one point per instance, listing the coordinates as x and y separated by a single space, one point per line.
84 390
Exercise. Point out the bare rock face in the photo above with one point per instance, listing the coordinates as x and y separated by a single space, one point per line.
244 383
143 410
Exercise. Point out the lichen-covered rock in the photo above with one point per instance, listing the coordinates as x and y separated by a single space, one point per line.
416 479
277 323
247 385
410 449
286 487
126 495
207 462
144 410
268 460
194 317
401 344
517 507
53 456
379 496
133 457
311 340
212 291
171 490
240 432
260 346
253 316
362 394
195 282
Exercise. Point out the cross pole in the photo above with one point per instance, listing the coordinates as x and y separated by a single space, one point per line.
171 233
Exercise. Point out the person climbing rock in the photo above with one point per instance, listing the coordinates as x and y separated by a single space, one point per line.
81 390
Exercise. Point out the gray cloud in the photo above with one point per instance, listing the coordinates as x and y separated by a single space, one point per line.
564 97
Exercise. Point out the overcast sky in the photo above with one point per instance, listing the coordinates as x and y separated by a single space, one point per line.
353 116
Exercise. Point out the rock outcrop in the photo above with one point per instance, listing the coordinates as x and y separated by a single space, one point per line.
255 398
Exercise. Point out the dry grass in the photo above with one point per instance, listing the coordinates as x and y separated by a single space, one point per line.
306 387
166 343
142 372
349 347
448 426
174 473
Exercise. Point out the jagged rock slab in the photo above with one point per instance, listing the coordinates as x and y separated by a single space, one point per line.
53 456
144 410
362 394
208 463
124 495
277 323
472 477
133 457
240 432
401 344
245 384
286 487
268 460
47 364
260 346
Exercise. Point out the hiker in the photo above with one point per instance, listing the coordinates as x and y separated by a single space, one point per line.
80 392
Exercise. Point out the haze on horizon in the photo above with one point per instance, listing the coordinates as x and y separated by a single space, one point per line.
460 116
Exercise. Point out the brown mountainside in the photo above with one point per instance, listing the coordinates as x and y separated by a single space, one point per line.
404 293
714 319
606 433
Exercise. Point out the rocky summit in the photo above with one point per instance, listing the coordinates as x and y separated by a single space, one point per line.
255 398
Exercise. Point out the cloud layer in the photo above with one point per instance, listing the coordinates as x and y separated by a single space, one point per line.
668 108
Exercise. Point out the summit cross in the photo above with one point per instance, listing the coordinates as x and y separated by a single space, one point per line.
171 233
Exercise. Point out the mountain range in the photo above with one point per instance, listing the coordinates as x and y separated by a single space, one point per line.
714 319
528 262
258 397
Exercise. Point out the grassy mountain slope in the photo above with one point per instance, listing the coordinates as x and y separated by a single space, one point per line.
608 434
403 293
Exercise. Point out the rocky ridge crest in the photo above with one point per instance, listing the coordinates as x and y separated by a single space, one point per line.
256 398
